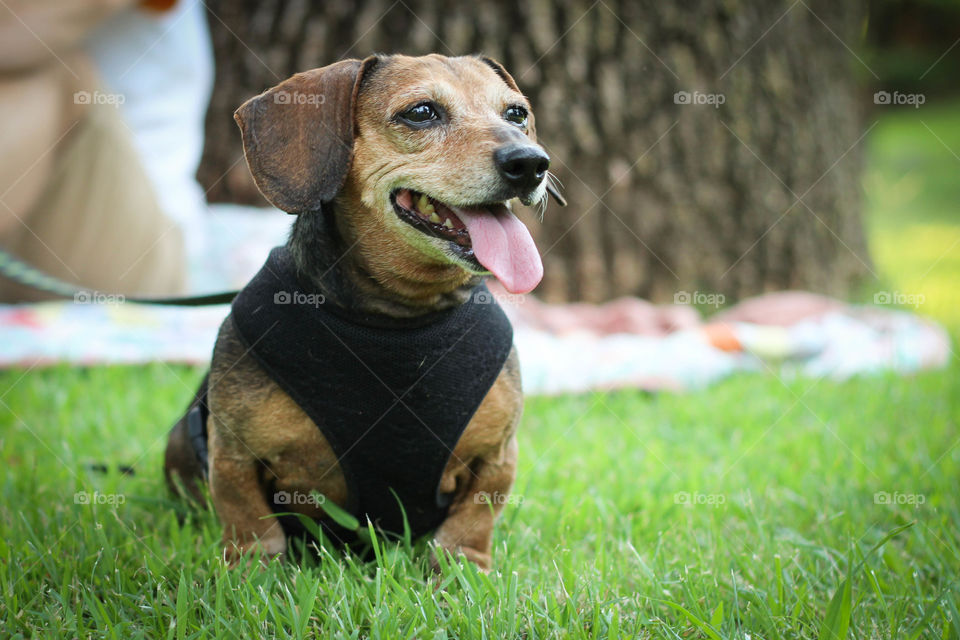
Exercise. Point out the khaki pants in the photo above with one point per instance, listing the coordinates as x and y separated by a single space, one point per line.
97 222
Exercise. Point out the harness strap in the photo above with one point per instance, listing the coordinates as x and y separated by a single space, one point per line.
197 416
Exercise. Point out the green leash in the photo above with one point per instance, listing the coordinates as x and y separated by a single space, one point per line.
27 275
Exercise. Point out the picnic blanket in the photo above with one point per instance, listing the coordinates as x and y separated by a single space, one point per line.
563 348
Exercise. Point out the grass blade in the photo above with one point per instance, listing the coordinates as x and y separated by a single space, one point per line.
340 516
837 621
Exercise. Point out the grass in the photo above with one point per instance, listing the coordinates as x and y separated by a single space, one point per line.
743 513
750 509
749 514
913 205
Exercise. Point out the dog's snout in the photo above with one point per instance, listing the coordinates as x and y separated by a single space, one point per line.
522 166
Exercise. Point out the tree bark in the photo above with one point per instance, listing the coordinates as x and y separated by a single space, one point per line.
759 193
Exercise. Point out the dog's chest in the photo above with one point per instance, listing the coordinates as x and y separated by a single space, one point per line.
391 402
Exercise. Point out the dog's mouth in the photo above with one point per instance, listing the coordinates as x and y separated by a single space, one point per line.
488 237
431 217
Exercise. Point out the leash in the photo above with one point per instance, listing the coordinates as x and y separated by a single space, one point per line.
27 275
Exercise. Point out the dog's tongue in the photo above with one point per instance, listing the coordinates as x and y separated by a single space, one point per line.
503 245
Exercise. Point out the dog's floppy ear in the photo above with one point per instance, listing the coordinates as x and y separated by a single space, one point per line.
298 136
506 77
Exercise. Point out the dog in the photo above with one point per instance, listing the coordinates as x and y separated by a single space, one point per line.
366 364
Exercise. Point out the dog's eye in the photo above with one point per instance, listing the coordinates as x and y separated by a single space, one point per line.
517 115
420 114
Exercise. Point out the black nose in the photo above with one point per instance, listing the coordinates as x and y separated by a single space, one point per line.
522 166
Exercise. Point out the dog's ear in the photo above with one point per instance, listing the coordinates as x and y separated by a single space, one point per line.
498 68
510 82
298 136
506 77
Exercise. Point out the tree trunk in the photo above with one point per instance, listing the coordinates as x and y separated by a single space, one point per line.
747 182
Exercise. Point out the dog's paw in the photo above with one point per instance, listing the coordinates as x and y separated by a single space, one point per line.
480 559
267 550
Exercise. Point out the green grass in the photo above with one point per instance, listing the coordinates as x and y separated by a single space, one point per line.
743 504
749 509
912 187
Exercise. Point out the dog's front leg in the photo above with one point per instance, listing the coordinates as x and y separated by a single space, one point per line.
468 529
240 501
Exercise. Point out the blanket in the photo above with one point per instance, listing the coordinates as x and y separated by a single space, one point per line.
626 343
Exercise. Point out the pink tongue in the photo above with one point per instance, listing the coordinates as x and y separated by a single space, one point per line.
503 245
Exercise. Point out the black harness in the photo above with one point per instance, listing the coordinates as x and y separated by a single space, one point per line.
391 397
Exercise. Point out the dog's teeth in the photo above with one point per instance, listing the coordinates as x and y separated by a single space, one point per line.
447 223
434 217
425 206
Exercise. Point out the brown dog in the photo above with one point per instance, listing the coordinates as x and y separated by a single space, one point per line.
400 170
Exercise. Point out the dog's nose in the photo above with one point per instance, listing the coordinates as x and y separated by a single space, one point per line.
523 166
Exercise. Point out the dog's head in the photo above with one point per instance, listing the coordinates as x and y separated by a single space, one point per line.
420 157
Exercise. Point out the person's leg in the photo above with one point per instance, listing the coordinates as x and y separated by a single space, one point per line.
97 222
